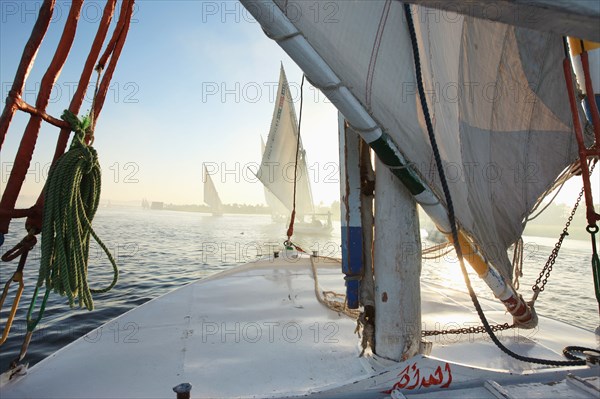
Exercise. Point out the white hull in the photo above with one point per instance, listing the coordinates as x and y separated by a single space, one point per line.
258 331
311 229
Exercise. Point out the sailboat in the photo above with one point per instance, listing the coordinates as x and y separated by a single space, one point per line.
277 169
273 328
211 196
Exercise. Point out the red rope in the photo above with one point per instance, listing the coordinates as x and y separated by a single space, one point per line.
290 230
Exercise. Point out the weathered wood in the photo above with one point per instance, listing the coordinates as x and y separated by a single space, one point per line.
397 258
351 230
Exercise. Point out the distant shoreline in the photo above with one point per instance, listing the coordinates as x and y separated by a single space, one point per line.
549 224
576 232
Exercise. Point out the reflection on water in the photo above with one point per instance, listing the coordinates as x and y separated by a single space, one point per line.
158 251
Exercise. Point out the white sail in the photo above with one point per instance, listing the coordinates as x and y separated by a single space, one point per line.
496 95
211 196
277 208
276 171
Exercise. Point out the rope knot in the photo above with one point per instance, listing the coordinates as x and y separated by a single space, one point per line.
89 159
81 127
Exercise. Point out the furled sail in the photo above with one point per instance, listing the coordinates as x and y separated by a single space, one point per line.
496 95
211 196
276 170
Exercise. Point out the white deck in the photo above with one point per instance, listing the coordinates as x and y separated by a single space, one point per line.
258 331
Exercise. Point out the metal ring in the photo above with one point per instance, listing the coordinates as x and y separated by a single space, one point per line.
282 38
365 130
590 356
592 229
330 87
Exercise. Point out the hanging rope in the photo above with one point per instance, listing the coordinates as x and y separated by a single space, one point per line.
333 300
517 262
451 215
72 196
66 238
21 249
438 251
595 262
290 231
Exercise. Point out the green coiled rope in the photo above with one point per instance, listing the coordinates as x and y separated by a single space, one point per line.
72 196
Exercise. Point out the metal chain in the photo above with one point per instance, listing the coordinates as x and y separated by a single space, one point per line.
467 330
545 273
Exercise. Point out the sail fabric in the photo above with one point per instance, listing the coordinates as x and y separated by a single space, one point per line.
276 170
211 196
277 208
496 95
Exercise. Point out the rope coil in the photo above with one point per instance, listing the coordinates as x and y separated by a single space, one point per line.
72 195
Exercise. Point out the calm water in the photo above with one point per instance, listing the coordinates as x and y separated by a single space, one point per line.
158 251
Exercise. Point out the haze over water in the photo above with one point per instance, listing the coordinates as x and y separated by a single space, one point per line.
158 251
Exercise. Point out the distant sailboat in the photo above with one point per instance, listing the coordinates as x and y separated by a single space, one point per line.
229 335
276 171
211 196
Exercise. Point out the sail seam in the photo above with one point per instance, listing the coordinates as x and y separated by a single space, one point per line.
532 113
282 38
434 100
492 127
375 52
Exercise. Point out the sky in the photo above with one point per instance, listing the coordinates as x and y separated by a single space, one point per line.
194 85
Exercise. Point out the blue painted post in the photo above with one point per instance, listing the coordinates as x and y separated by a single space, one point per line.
352 235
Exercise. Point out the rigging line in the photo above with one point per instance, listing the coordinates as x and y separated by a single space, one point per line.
558 186
517 262
547 269
290 230
560 183
451 215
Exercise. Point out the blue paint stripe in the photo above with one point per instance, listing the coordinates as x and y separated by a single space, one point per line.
352 262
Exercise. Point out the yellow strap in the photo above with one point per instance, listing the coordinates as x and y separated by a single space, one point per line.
470 253
18 278
575 45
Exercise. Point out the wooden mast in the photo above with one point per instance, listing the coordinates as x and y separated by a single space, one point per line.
397 264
